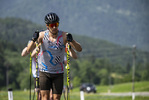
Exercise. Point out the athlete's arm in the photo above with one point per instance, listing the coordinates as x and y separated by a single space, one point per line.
31 46
36 37
76 45
36 50
24 52
68 38
72 53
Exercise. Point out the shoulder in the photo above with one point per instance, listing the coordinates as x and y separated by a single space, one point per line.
64 33
41 34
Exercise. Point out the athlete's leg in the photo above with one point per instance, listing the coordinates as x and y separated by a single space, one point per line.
44 94
51 95
57 85
45 85
56 96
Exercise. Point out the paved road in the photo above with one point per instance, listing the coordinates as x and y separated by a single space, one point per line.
126 94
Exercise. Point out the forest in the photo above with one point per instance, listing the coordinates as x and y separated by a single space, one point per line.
101 62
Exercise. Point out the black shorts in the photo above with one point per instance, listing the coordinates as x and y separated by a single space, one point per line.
54 81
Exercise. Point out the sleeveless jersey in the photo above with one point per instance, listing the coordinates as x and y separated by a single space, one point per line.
34 66
52 54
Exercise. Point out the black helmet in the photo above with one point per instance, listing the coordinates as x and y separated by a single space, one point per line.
51 18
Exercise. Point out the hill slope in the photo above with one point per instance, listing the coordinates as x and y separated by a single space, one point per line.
19 31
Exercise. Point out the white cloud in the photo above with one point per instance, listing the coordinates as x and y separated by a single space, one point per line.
124 12
102 9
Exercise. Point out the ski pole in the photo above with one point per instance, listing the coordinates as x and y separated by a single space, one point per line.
37 79
34 94
68 78
30 75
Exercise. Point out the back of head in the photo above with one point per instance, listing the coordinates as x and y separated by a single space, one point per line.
51 18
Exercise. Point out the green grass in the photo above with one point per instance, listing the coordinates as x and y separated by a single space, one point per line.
24 95
17 95
75 94
125 87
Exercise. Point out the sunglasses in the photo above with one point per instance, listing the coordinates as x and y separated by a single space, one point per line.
54 24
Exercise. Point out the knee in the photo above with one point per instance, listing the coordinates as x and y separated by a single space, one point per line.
45 95
56 96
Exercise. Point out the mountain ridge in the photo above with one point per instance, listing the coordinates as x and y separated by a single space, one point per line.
121 22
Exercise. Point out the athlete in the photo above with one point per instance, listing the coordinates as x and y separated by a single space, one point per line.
52 50
34 73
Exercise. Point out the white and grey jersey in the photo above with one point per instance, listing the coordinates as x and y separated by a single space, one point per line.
52 54
34 66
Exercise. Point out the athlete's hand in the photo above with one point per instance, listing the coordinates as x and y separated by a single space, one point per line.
69 37
35 36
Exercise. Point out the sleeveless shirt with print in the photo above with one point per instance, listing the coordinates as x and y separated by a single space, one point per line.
34 66
52 54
